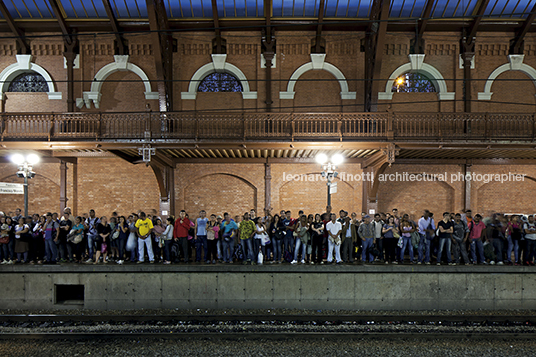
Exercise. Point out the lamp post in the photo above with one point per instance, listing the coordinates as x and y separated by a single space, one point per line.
328 169
25 164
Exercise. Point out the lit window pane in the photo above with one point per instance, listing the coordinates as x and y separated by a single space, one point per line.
413 83
220 82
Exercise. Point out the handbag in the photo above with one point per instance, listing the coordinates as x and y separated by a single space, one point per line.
115 235
400 243
396 234
4 240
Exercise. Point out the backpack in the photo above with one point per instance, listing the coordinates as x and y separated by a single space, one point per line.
238 253
287 256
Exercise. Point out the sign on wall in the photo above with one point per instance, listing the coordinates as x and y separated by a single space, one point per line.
11 188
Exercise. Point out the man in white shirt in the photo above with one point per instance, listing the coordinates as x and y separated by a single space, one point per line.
334 229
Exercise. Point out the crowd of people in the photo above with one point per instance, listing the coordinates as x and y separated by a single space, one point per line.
328 238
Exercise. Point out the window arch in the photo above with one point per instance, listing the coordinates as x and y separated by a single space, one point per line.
412 82
28 82
220 82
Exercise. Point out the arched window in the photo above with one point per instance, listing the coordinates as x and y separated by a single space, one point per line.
220 82
413 83
28 82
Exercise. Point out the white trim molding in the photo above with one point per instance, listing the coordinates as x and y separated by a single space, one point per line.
416 65
23 65
317 62
219 64
515 63
121 63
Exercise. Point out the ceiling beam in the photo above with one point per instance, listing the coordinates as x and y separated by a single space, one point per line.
122 155
58 14
516 46
374 46
23 46
478 14
318 41
163 52
418 46
218 40
121 43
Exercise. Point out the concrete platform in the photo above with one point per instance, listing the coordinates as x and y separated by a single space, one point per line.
192 286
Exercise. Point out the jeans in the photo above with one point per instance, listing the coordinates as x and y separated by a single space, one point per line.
332 245
248 254
121 242
228 250
460 247
347 247
5 251
444 242
201 242
276 244
11 247
51 250
183 244
531 247
141 244
257 244
91 244
317 248
406 242
367 243
477 244
300 246
379 244
390 248
219 249
512 243
498 247
424 243
288 242
167 249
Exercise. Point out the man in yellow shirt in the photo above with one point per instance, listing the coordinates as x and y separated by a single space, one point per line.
144 227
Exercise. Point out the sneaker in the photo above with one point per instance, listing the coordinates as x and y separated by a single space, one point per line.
120 262
386 262
294 262
492 262
151 262
321 262
438 264
11 262
419 263
4 262
244 262
139 262
395 262
452 263
427 263
303 261
214 261
312 263
272 262
89 261
500 263
166 263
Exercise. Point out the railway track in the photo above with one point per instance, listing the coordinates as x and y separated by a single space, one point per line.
268 327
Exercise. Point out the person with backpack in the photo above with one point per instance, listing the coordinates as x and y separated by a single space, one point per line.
366 233
180 234
476 235
228 230
91 222
426 229
513 234
51 236
459 243
246 232
530 237
277 233
445 229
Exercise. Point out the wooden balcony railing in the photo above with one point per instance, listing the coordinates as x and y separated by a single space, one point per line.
267 126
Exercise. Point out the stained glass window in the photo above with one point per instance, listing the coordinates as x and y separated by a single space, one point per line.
28 82
220 82
413 83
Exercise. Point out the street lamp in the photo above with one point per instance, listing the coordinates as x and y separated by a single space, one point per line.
328 169
25 170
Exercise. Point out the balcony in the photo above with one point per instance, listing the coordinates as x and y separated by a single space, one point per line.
191 126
